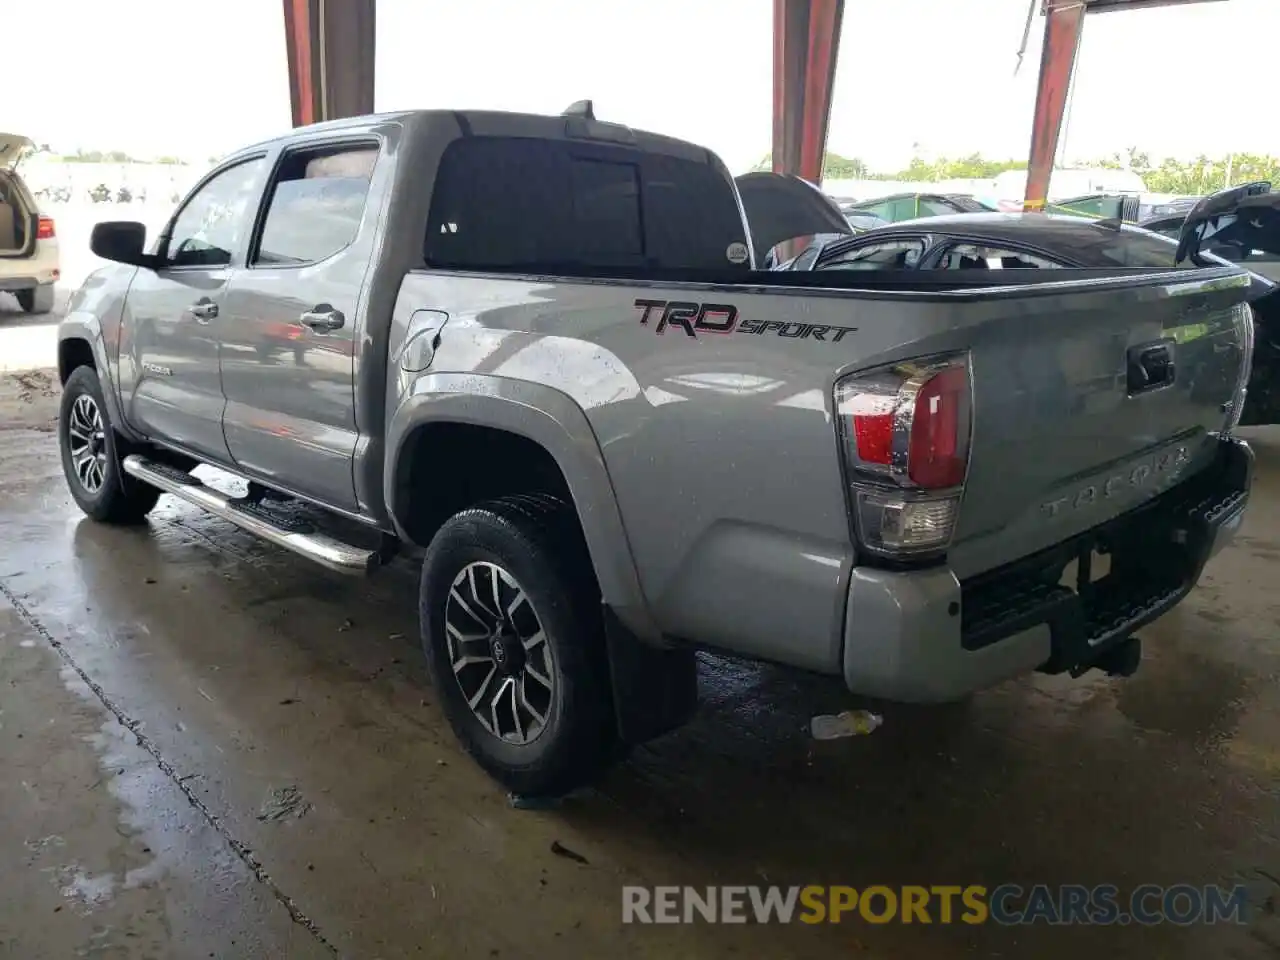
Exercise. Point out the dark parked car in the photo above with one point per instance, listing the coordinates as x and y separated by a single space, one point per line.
1003 241
1263 262
910 206
859 223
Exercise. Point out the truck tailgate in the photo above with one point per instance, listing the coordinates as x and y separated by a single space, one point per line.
1089 404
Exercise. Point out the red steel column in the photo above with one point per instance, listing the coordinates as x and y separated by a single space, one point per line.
1063 22
806 42
330 45
298 18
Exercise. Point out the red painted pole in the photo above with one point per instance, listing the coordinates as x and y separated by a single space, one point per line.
819 79
806 41
302 62
330 45
780 112
1064 21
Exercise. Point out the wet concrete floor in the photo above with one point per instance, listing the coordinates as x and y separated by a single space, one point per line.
214 749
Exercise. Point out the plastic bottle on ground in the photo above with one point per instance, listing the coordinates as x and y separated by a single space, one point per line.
849 723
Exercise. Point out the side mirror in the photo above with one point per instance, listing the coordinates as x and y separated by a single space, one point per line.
121 241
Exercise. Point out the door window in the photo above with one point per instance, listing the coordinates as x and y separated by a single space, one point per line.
886 255
208 228
936 208
971 256
899 208
315 205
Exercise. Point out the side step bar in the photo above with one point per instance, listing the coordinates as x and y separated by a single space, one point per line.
298 537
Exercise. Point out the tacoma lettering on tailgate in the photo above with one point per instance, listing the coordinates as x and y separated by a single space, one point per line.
1165 466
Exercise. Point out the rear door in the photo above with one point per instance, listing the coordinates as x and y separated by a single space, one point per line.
288 324
169 347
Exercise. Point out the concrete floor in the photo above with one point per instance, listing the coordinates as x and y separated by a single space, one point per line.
213 749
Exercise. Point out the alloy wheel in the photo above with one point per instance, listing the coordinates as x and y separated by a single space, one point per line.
499 653
87 441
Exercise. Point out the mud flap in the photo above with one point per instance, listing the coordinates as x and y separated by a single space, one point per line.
655 689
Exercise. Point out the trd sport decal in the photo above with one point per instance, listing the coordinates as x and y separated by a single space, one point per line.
695 318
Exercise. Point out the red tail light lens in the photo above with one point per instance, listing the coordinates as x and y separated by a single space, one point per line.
873 434
906 432
909 423
44 229
935 457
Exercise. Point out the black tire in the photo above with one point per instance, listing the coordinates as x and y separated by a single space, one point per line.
118 498
36 299
535 539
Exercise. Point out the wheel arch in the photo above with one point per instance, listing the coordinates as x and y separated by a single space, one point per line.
81 343
553 424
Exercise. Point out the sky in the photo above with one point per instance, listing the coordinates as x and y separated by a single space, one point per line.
197 78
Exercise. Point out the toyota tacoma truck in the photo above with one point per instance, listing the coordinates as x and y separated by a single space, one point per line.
541 350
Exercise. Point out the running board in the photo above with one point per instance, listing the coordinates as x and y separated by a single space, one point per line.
298 537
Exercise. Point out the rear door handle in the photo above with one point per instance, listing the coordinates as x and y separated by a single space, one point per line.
323 318
203 310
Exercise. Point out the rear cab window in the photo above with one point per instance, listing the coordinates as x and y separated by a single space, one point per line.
513 204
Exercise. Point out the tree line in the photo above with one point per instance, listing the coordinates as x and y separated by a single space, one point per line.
1201 175
105 156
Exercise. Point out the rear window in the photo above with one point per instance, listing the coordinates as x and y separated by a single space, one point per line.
525 204
1107 247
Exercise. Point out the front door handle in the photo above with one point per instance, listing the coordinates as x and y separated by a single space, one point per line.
323 318
203 310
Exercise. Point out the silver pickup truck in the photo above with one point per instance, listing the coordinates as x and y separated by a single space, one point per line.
540 348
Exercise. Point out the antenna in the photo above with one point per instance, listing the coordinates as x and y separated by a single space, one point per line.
580 108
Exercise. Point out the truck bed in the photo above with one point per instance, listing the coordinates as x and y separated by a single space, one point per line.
723 450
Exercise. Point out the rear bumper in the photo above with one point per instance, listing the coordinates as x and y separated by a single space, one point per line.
40 268
14 284
926 636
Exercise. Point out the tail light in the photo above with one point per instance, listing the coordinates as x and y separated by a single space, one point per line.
905 430
44 228
1245 328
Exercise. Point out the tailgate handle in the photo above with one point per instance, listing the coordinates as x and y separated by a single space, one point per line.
1151 366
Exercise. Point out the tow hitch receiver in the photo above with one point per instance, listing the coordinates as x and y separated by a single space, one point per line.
1121 660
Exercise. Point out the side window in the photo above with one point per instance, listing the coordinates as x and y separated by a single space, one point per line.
970 256
904 208
883 210
315 205
517 204
888 255
208 228
935 208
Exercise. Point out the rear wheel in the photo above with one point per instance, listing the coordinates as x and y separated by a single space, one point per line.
36 299
513 635
92 452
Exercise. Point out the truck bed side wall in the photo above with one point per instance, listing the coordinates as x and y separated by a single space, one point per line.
721 447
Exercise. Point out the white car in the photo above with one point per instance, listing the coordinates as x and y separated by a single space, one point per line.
29 264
